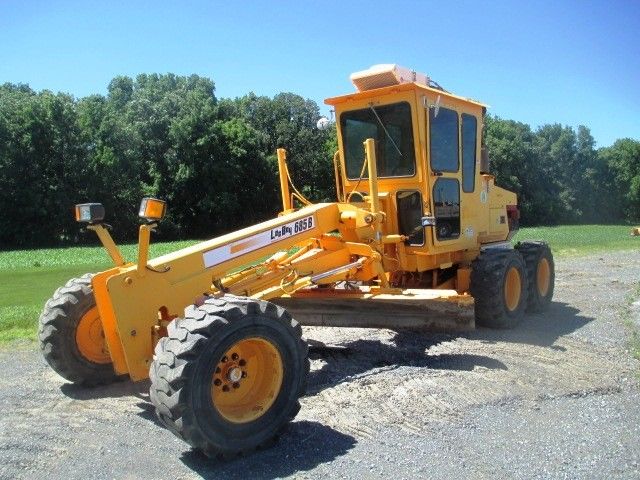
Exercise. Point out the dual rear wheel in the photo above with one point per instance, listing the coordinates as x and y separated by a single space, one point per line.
507 282
540 272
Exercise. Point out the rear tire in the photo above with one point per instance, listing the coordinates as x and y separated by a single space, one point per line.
499 287
541 273
71 336
228 376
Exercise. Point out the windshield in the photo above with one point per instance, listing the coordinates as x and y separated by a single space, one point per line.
390 126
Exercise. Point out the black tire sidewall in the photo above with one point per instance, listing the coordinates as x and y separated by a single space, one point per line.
61 350
234 436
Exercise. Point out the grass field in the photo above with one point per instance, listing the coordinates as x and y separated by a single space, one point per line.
29 277
572 240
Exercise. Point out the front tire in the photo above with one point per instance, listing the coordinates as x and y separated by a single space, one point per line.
499 286
228 376
71 336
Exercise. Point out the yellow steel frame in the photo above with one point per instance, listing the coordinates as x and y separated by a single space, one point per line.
131 298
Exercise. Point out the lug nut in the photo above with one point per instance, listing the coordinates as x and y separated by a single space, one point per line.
244 374
224 359
242 362
225 388
236 385
217 382
234 356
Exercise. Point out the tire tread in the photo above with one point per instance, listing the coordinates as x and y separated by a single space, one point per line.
487 273
531 251
176 355
57 323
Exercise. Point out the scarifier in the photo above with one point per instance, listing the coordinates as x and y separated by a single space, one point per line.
419 237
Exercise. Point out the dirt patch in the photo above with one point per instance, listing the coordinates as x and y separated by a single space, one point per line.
406 380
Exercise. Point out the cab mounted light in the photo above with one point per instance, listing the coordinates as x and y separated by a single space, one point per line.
152 209
89 213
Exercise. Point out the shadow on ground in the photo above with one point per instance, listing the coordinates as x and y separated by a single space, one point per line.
410 348
302 447
541 329
122 388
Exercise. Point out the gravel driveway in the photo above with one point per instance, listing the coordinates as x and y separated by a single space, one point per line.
557 397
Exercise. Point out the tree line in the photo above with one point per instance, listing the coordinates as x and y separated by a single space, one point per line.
214 161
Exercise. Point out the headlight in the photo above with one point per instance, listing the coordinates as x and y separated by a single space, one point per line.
152 209
89 212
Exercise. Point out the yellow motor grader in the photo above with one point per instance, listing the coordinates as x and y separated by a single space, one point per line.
418 226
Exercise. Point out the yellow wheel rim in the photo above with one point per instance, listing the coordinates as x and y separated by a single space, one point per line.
247 380
90 338
512 288
543 276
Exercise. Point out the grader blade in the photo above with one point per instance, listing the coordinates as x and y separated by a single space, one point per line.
433 310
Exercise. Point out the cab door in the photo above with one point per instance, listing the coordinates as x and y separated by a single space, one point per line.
444 166
452 151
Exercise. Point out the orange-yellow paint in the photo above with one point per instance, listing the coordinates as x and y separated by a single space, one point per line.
90 338
512 288
247 380
543 276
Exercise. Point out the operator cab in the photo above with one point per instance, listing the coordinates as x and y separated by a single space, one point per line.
428 144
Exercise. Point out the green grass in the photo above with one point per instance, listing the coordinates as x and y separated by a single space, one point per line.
575 240
79 256
29 277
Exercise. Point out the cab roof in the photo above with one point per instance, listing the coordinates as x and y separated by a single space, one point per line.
403 87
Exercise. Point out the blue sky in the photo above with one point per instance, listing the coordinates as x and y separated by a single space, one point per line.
572 62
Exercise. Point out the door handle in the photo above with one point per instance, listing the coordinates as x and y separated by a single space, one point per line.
428 221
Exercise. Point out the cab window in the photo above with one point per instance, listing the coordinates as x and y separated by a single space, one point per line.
391 127
443 134
446 200
469 133
410 216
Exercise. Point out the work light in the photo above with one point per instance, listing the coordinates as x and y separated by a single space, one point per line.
152 209
89 212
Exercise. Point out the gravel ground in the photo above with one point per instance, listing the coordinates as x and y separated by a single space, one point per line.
556 398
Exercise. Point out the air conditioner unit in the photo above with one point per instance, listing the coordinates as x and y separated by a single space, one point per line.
385 75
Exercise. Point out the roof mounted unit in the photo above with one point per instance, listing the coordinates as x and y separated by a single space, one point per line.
385 75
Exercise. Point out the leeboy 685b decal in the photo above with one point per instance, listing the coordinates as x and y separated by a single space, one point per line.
259 240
